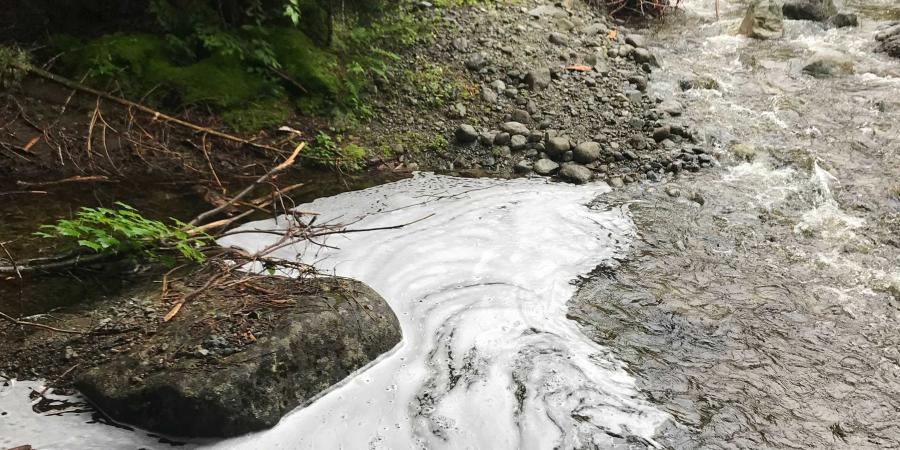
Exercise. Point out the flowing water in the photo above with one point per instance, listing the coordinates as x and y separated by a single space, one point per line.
757 308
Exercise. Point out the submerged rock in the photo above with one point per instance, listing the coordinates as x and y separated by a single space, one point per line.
764 20
828 64
816 10
320 340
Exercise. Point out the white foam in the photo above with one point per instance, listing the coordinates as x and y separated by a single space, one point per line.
489 359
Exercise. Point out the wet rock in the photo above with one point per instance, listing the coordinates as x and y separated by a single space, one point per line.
308 351
889 40
843 20
575 173
538 79
587 152
616 182
514 128
545 167
701 82
466 134
745 152
828 64
816 10
764 20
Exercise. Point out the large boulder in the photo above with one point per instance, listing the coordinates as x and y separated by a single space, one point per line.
231 382
764 20
816 10
889 40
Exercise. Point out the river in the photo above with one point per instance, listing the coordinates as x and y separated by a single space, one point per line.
752 305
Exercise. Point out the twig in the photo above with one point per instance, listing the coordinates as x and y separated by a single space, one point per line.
11 259
22 192
75 179
38 325
284 165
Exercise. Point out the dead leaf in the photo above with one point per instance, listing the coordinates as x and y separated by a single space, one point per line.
612 34
580 68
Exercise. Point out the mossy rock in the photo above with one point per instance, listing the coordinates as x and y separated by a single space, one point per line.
314 68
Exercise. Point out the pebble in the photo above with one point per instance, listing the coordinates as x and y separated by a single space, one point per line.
587 152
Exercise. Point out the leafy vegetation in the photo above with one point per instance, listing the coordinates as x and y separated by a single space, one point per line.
13 62
124 230
240 57
329 153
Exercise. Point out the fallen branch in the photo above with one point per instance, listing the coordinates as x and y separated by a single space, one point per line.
130 104
284 165
75 179
55 264
39 325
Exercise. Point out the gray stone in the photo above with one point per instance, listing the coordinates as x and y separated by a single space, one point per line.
616 182
514 128
545 167
661 133
466 134
644 56
815 10
559 39
575 173
671 107
587 152
307 350
489 95
498 85
476 62
487 138
523 166
518 142
538 79
764 20
502 138
636 40
558 145
521 116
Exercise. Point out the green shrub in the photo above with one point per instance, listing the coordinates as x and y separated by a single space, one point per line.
124 230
